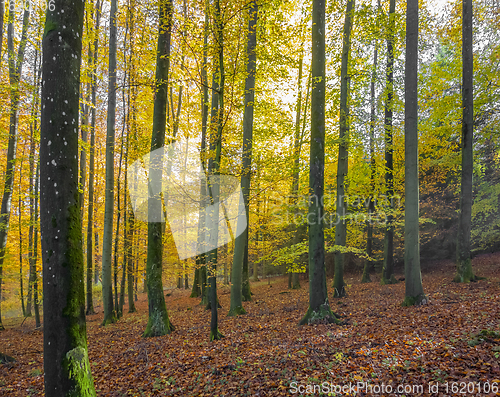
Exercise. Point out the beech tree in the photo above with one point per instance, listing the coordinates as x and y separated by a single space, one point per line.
216 125
464 263
15 70
90 219
319 308
388 267
66 363
158 321
241 242
414 292
107 287
343 159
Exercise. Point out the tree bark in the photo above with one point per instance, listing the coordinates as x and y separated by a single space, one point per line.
107 239
199 285
343 159
414 292
90 221
15 72
158 321
66 363
464 263
388 267
241 241
30 233
319 308
216 124
35 250
371 203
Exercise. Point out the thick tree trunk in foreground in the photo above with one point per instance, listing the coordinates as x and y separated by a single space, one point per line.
343 159
158 321
414 292
319 308
242 240
66 363
464 262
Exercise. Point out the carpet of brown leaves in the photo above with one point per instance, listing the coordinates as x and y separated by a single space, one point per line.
451 346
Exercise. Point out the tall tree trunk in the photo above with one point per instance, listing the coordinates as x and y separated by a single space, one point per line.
158 321
30 236
107 239
33 145
343 159
35 250
117 232
66 363
213 170
464 263
241 241
293 281
414 292
319 308
199 285
15 71
128 260
126 127
371 203
90 221
388 267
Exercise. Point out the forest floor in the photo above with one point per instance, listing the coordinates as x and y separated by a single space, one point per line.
449 347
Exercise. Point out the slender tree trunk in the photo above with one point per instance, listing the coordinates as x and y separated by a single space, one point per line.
117 232
464 262
343 159
158 321
414 292
30 236
96 257
15 72
66 363
126 224
388 267
207 198
128 260
371 203
241 241
319 308
90 212
199 286
132 269
107 240
213 171
293 280
35 250
33 145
